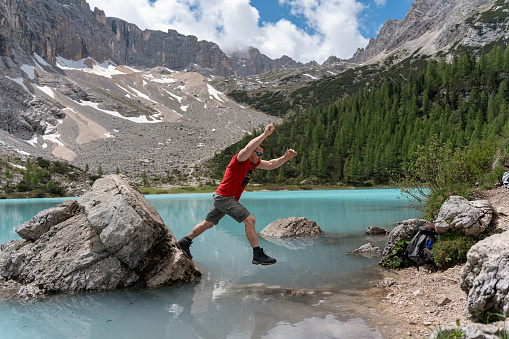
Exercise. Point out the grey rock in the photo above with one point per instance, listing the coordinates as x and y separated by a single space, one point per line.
495 330
366 250
132 248
126 222
404 230
44 220
444 301
375 230
387 282
457 213
291 227
485 277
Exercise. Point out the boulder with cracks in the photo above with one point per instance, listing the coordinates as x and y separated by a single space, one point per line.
112 237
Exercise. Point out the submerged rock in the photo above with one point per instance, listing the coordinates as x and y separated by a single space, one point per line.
367 250
111 238
293 243
375 230
291 227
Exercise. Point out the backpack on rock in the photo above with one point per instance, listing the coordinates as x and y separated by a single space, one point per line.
419 248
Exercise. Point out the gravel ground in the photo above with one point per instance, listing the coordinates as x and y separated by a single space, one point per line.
149 122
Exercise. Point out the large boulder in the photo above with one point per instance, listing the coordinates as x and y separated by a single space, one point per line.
111 238
485 277
457 213
404 230
291 227
126 222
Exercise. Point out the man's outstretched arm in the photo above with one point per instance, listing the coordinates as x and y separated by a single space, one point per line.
253 144
275 163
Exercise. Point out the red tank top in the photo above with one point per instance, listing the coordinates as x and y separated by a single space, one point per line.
236 178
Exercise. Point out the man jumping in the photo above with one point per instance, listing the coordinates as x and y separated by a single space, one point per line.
226 199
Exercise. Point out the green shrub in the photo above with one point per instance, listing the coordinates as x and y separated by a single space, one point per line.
437 198
145 180
492 178
394 260
43 163
451 249
440 171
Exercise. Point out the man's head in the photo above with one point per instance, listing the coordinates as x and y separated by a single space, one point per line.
256 155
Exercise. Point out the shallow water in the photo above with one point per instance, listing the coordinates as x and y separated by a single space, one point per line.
310 292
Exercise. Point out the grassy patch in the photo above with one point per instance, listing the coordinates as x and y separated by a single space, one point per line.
451 249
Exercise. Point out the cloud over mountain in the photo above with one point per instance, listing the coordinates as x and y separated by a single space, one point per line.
330 27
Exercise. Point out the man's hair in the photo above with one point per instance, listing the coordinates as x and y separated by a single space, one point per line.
261 146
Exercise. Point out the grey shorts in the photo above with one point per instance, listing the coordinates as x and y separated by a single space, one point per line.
223 206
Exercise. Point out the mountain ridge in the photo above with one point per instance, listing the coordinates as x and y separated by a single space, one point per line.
70 29
431 26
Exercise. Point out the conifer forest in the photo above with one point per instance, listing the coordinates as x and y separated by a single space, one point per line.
365 126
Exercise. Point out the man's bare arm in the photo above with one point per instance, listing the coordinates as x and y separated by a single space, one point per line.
275 163
253 144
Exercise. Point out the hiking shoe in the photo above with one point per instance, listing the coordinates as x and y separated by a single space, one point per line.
260 258
184 244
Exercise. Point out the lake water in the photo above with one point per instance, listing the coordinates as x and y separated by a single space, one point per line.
312 291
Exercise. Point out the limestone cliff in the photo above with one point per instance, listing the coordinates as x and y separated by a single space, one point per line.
432 26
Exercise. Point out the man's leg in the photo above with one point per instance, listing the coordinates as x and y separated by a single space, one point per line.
251 231
200 228
259 256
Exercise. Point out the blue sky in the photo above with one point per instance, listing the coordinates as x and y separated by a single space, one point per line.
371 21
302 29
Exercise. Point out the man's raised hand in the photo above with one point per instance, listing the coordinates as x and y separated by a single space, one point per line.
269 129
290 154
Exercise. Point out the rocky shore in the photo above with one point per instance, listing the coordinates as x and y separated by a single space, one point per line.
420 301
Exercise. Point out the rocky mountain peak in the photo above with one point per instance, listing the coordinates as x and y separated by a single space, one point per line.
429 25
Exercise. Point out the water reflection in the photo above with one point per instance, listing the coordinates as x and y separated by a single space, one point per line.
254 311
328 327
293 244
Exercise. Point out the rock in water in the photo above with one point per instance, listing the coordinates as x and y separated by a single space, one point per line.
375 230
367 250
291 227
111 238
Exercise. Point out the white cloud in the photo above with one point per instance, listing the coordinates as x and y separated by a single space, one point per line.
235 24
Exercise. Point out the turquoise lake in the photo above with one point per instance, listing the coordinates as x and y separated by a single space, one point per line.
310 292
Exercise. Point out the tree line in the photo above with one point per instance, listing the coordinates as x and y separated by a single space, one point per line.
368 136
